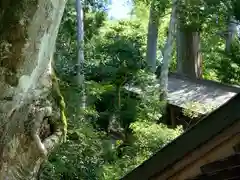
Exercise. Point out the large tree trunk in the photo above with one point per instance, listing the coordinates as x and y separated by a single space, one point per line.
152 37
32 119
189 58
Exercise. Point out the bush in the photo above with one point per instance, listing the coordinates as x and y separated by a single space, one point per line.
149 138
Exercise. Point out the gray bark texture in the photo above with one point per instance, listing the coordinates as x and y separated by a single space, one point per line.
80 56
189 58
167 51
32 121
152 37
80 39
231 33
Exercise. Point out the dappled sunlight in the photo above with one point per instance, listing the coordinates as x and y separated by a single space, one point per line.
104 90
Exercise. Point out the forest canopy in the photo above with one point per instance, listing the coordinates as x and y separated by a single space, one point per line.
110 80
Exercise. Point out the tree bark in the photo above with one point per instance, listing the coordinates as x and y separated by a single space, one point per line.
167 52
189 58
231 33
80 56
152 37
32 119
179 48
80 41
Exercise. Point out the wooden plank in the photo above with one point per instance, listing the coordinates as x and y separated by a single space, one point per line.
237 148
225 174
231 161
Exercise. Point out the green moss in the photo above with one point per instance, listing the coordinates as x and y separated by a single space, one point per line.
60 101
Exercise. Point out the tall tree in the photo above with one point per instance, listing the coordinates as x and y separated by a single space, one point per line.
32 111
189 58
157 9
152 36
192 17
167 51
80 55
80 42
231 33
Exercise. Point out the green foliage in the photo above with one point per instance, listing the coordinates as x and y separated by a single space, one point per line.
192 109
117 53
236 9
117 85
152 137
149 138
66 45
228 70
191 14
119 130
118 63
80 158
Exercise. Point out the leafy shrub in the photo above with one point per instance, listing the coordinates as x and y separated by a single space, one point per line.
80 158
149 138
228 70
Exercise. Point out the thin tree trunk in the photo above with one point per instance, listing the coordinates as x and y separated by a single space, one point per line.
80 56
180 49
34 122
231 33
152 37
80 41
167 52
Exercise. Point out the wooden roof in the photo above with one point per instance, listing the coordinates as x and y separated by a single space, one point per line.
221 119
183 91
